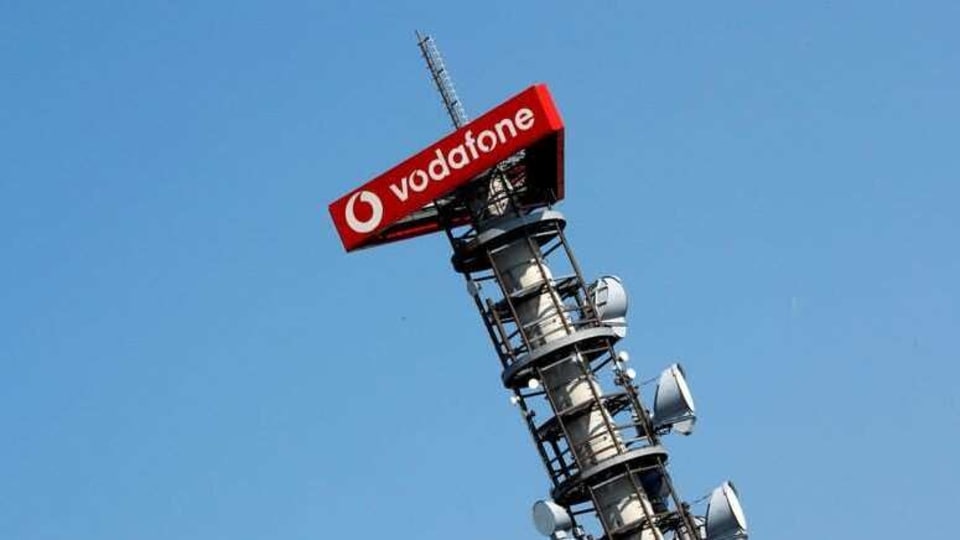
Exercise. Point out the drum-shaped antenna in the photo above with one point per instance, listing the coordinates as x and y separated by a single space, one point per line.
550 518
673 403
610 297
725 518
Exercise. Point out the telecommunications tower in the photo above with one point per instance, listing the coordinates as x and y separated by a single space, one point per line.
491 186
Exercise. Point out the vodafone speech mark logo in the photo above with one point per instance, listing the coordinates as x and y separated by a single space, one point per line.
445 165
376 212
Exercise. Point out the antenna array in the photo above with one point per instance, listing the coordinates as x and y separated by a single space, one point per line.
555 336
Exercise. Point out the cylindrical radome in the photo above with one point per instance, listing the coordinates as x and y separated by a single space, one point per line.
568 383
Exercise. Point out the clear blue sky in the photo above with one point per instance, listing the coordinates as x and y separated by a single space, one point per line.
186 352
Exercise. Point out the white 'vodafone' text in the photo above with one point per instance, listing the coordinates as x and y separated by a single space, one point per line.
461 155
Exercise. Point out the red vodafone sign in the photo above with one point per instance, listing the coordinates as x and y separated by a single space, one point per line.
516 124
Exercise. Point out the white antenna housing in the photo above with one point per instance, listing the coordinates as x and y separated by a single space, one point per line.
551 519
725 517
673 403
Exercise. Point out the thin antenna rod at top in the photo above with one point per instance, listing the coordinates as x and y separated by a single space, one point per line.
442 79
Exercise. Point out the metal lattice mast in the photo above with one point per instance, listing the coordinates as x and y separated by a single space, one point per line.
441 78
600 448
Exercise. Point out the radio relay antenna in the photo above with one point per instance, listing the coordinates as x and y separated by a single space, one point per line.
491 186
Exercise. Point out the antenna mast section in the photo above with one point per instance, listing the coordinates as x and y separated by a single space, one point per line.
442 79
554 333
